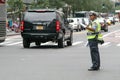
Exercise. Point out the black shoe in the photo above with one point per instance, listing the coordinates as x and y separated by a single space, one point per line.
93 69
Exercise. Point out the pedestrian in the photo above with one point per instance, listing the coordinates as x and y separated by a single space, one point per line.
10 24
94 37
16 27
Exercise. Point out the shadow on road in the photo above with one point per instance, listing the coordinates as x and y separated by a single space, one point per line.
46 47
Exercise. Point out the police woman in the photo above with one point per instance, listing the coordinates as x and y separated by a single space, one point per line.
93 36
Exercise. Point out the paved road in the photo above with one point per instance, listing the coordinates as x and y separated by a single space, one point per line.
51 63
12 33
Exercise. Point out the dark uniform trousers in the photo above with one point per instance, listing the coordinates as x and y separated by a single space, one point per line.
93 44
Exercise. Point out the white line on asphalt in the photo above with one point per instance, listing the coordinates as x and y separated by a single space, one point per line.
14 43
86 44
48 43
13 37
106 43
111 33
118 44
76 43
5 43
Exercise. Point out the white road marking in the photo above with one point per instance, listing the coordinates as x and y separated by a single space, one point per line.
5 42
14 43
12 37
111 33
106 43
76 43
86 44
50 43
118 44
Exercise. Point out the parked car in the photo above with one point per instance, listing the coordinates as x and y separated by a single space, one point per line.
74 23
104 25
112 19
43 25
116 19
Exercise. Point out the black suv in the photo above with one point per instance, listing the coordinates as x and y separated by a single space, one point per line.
43 25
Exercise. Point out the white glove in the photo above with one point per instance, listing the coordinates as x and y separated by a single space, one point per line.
83 25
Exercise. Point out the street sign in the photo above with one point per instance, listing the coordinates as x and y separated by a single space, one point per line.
2 1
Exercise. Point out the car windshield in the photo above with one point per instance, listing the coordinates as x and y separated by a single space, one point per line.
37 16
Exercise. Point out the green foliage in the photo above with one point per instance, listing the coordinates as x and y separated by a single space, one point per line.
47 4
15 5
91 5
40 4
77 5
117 8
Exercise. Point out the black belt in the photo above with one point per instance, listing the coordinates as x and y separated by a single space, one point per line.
93 33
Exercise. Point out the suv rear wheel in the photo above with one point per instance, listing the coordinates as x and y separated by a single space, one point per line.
61 42
26 43
69 43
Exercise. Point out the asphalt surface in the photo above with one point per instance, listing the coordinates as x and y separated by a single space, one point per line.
50 63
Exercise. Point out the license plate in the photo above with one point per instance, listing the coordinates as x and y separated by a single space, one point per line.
39 27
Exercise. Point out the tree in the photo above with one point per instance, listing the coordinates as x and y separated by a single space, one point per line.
88 5
16 6
40 4
76 5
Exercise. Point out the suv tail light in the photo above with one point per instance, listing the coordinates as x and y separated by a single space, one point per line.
22 25
57 25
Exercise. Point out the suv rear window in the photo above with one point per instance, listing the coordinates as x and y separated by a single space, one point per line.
39 16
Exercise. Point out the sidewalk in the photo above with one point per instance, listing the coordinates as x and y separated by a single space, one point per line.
12 33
